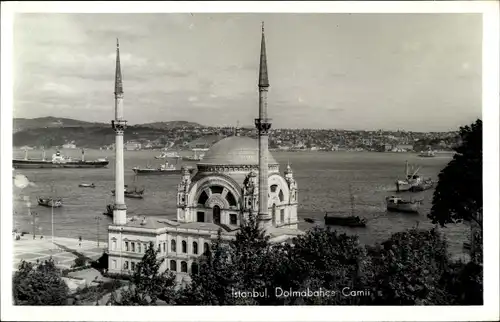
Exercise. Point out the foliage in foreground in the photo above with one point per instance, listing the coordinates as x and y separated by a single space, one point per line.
39 284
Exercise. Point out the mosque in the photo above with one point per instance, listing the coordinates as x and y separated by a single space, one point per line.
238 177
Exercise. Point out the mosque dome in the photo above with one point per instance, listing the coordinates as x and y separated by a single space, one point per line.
235 150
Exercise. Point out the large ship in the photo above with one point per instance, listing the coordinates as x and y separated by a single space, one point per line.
58 161
163 169
198 155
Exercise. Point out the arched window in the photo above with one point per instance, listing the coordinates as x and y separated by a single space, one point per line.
173 246
194 268
216 189
274 187
206 248
173 265
195 248
230 199
203 198
184 247
184 267
216 214
281 196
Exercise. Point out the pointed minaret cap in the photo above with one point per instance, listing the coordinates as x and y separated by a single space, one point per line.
118 71
263 79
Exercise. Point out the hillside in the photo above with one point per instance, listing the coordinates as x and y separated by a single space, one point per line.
171 124
20 124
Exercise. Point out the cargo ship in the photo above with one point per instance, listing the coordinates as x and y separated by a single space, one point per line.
58 161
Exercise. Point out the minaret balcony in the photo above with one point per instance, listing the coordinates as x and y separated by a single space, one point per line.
263 125
119 125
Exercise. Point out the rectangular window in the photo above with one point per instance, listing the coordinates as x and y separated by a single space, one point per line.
233 219
133 266
282 215
126 246
145 247
200 216
114 263
139 248
164 247
125 265
113 247
133 247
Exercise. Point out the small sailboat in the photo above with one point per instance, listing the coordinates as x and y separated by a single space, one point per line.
349 221
87 185
109 210
401 205
132 192
50 202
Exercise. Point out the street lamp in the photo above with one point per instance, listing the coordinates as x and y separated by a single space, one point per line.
98 219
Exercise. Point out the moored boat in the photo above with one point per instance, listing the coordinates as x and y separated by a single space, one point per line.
413 182
165 155
163 169
109 210
349 221
197 156
58 161
401 205
50 202
309 220
86 185
427 154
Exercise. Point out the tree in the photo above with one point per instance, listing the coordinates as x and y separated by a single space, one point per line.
459 192
148 285
39 284
407 268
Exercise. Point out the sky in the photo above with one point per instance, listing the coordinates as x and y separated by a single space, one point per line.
417 72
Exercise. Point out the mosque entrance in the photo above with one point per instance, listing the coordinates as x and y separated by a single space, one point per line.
216 214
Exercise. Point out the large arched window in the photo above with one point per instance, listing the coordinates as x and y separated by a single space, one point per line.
173 265
184 247
173 246
184 267
230 199
203 198
195 248
216 214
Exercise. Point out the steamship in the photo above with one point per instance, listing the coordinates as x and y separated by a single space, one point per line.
58 161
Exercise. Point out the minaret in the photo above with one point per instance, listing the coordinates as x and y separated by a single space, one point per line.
119 125
263 125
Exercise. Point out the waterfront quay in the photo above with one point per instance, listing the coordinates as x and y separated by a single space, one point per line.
62 250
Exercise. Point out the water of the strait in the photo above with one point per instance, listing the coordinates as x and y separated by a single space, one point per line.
323 179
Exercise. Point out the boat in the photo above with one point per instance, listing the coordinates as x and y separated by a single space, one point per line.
163 169
401 205
413 182
349 221
57 161
50 202
109 210
197 156
165 155
427 154
86 185
134 192
309 220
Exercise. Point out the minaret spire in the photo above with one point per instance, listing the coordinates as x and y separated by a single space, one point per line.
118 71
263 78
263 125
